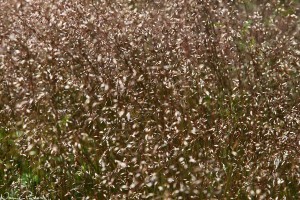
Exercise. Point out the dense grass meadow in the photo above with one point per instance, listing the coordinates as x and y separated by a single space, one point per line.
148 99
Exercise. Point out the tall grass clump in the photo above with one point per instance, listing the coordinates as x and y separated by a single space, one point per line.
123 99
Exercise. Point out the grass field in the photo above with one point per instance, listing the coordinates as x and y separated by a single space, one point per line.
147 99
